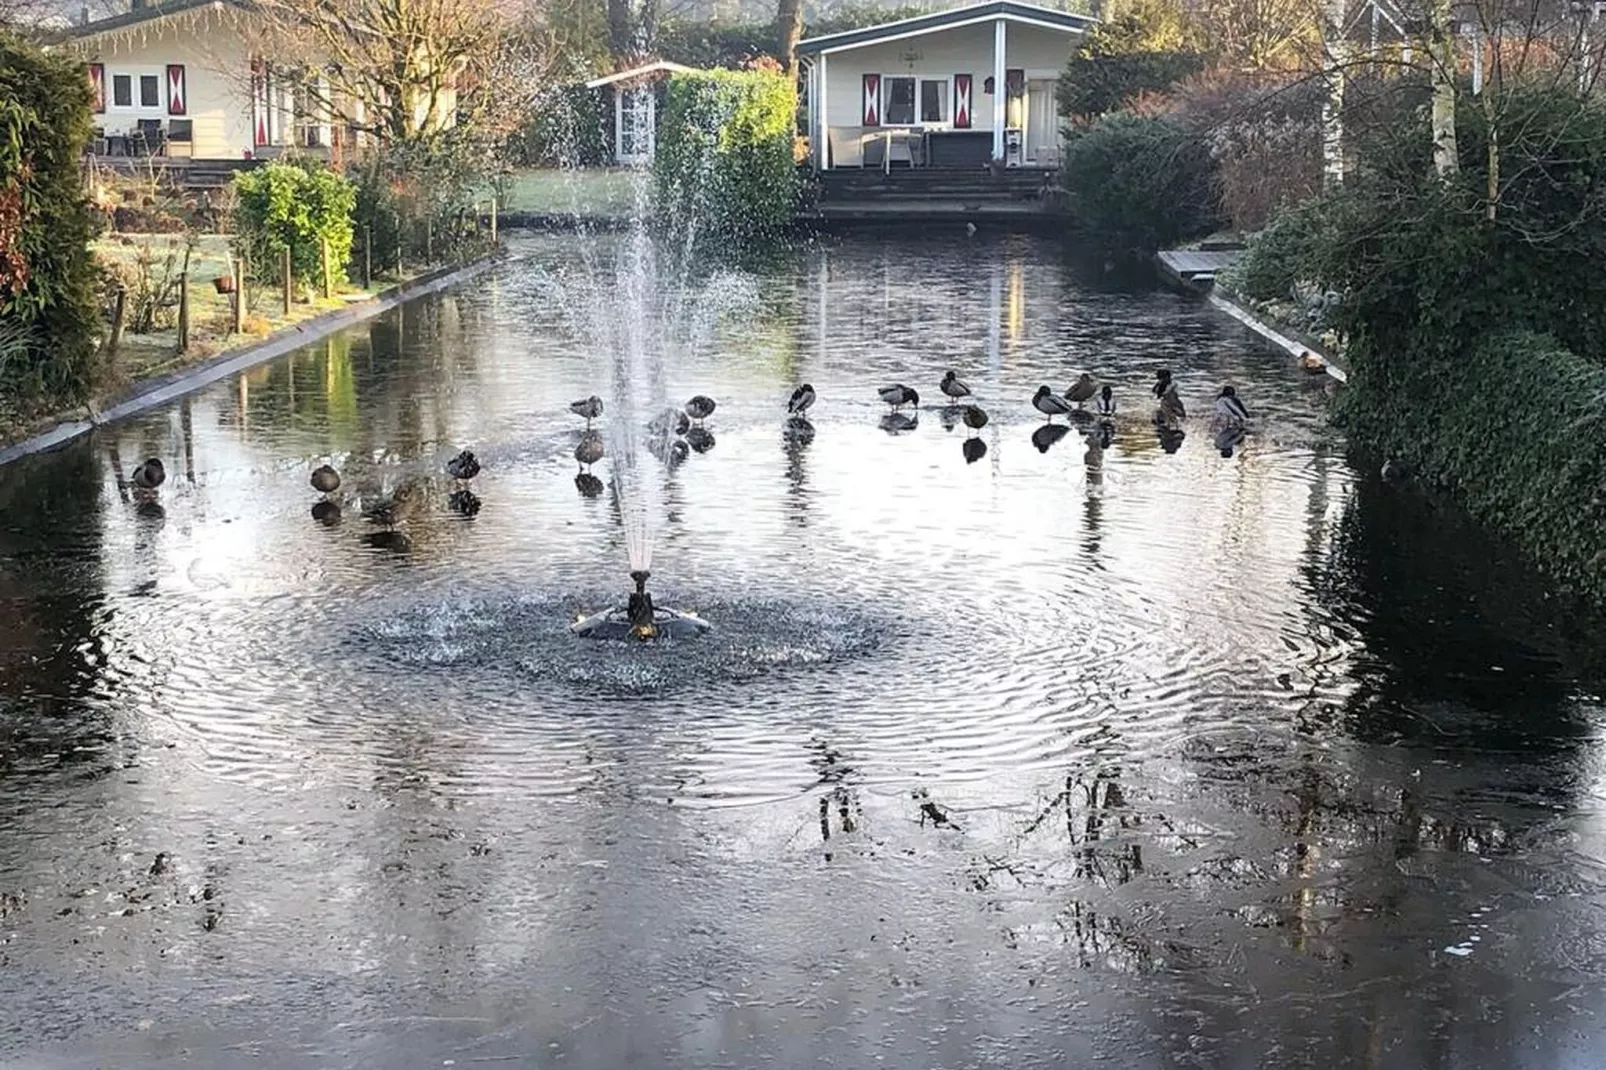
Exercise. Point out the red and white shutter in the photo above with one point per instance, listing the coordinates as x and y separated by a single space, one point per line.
872 100
97 86
962 102
175 89
259 103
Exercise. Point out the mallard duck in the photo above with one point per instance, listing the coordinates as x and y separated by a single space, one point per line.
801 401
953 386
1050 404
590 408
590 449
975 417
669 422
700 439
700 407
325 480
464 466
1171 410
974 449
1230 410
897 395
1106 403
149 475
1162 382
1312 363
388 512
1082 391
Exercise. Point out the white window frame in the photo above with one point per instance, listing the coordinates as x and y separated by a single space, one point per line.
944 95
133 74
886 99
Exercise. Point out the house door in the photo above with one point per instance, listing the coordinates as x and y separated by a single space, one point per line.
1042 122
636 115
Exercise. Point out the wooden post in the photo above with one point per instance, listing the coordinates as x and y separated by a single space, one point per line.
239 295
367 257
119 321
328 271
284 268
429 241
493 220
183 313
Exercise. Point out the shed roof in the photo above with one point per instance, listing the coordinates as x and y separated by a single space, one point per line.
150 13
662 66
1008 10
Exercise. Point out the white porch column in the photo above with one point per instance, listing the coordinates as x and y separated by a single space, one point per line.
1000 93
825 117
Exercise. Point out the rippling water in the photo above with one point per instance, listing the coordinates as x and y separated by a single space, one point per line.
1192 760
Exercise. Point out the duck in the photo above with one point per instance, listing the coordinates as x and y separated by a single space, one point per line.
897 395
1050 404
1312 363
1162 382
464 466
1106 402
388 512
590 408
801 401
954 386
590 449
700 407
1171 410
975 417
149 475
1082 390
325 480
670 421
669 451
1230 410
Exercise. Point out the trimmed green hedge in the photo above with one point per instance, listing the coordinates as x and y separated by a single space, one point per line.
1139 184
296 205
724 168
48 318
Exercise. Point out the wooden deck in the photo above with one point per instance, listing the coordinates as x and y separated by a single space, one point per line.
927 194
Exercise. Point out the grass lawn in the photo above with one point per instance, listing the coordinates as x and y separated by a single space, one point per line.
149 261
592 191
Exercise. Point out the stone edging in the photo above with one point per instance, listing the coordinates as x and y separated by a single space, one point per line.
1278 337
162 389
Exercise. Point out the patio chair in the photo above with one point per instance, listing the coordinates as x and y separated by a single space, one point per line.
148 138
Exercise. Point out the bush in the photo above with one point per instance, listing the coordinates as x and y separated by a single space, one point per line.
297 206
724 167
48 320
570 127
1140 184
1094 85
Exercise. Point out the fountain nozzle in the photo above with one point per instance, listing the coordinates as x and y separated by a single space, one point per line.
641 576
643 617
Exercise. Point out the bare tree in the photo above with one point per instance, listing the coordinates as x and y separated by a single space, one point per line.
788 31
392 67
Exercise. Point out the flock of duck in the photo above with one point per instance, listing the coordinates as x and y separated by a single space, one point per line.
676 433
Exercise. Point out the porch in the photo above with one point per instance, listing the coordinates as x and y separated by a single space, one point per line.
936 194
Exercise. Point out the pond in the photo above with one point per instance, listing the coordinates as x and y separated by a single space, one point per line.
1179 760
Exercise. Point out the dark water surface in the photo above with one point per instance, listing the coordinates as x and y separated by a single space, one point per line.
1241 762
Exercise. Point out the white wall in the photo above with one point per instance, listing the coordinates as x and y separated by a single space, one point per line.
217 70
942 54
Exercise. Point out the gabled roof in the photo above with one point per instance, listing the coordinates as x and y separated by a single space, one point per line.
146 14
662 66
1008 10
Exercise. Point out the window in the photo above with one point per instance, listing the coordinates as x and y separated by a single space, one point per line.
150 91
898 107
933 100
122 91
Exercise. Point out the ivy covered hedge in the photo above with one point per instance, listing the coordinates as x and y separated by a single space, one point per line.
1138 183
1476 337
48 320
297 206
724 168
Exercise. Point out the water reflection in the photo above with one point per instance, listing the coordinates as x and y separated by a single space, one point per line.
1199 754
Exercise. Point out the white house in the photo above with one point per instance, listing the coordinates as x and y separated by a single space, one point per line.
192 78
958 88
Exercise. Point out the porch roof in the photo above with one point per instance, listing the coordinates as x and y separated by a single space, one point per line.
1008 10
